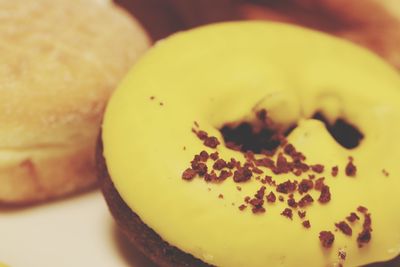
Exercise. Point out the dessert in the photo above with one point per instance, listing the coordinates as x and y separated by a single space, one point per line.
60 62
255 144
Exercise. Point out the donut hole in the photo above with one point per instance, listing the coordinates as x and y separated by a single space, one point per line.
345 133
257 137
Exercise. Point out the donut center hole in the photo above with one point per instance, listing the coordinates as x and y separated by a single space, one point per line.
259 136
345 133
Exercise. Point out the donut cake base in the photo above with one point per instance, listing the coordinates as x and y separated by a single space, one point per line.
145 239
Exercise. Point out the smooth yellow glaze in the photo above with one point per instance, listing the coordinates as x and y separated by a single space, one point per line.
220 73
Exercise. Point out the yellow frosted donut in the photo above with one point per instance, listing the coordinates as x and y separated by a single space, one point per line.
226 74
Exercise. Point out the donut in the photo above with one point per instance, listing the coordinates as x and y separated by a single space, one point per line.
60 62
255 144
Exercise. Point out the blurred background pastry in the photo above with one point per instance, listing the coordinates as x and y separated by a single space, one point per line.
371 23
61 60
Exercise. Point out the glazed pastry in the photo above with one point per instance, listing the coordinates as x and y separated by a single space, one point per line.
255 144
60 62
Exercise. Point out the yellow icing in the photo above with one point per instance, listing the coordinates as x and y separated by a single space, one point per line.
221 73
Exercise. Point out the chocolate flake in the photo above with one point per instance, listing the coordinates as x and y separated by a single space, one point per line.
344 227
326 238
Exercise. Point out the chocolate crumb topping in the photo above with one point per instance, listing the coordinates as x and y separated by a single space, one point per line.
325 196
221 196
189 174
364 237
305 185
306 224
385 172
214 156
202 135
287 213
203 156
351 169
367 221
200 168
342 254
281 198
239 188
352 217
152 97
326 238
335 171
224 175
344 227
242 207
305 201
211 142
292 203
302 213
271 198
286 187
260 193
242 175
319 184
219 164
318 168
362 209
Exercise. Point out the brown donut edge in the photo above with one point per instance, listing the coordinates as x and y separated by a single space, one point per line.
135 230
145 239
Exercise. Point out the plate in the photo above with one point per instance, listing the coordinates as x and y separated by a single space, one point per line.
77 231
